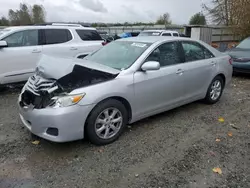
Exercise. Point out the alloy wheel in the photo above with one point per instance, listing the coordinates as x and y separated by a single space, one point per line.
108 123
216 90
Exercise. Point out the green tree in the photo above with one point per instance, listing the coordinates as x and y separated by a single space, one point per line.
14 17
4 21
38 14
94 25
220 11
240 18
198 19
233 13
164 20
127 24
25 15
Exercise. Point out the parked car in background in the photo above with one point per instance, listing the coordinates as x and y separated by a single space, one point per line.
107 38
183 35
135 33
123 82
241 57
125 35
21 47
102 33
129 34
169 33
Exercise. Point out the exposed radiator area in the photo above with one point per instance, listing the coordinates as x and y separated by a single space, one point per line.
37 84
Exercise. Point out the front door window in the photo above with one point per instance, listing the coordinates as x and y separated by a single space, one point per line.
22 38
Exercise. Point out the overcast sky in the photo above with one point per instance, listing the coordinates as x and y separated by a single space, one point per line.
111 10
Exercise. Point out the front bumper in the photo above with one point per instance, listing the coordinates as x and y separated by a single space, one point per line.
69 121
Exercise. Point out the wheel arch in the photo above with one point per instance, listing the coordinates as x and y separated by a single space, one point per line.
125 103
223 77
118 98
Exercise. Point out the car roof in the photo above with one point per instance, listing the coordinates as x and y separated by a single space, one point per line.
154 39
170 31
15 28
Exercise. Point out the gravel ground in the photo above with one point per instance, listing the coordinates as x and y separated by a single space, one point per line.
174 149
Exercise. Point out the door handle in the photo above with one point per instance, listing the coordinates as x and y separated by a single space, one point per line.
73 48
213 63
36 51
180 71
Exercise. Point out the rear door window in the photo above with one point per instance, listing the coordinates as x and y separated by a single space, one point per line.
193 51
166 34
88 35
57 36
175 34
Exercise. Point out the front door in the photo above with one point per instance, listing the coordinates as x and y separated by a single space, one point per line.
158 90
19 59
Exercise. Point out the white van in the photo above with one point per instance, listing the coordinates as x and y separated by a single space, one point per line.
159 33
21 47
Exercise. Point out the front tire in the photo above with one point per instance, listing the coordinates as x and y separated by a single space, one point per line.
106 122
215 90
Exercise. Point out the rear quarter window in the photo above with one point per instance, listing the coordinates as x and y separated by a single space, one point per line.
88 35
166 34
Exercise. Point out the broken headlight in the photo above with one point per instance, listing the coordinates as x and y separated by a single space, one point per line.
67 100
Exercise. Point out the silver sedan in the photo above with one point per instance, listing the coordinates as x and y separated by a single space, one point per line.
125 81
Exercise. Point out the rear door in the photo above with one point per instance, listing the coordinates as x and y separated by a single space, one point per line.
160 89
19 59
59 42
199 68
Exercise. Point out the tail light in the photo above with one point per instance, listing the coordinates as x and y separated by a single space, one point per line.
230 61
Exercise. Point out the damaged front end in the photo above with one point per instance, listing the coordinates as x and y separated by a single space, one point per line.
43 90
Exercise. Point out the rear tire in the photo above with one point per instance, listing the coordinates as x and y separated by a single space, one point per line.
106 122
215 90
2 88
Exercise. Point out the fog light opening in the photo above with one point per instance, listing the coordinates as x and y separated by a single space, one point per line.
52 131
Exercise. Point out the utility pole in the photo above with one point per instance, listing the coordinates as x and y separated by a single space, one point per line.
226 10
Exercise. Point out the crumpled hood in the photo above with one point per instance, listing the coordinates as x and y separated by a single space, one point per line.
56 67
57 76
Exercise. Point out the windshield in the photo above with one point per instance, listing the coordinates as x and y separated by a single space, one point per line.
245 44
149 33
119 54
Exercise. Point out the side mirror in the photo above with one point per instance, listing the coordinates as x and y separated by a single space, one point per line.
150 66
3 44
